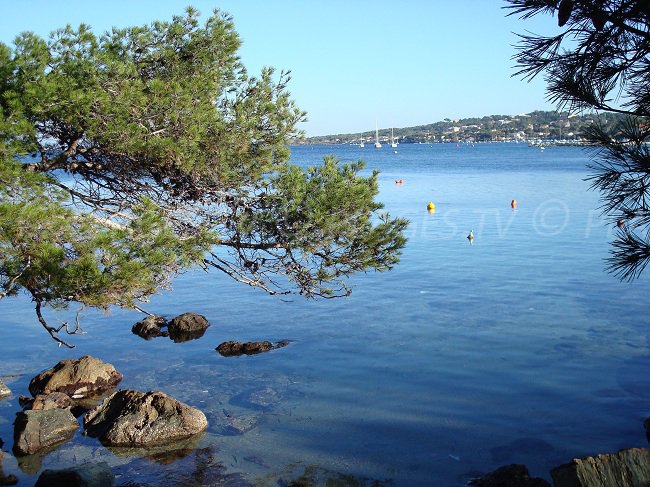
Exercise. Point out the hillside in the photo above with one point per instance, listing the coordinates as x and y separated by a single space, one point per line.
531 126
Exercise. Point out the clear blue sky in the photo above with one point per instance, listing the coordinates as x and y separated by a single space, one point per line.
352 62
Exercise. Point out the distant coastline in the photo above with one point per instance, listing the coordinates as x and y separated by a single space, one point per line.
537 128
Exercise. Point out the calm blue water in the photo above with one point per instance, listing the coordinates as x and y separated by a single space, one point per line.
519 348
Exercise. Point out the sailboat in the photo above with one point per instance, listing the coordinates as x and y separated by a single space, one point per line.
393 144
377 144
361 141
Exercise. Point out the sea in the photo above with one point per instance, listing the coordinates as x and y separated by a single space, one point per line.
515 347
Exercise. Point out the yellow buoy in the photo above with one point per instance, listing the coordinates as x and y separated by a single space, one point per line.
431 206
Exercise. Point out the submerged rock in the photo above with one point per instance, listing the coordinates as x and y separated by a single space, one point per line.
627 468
137 419
234 348
509 476
37 430
85 475
150 327
4 390
76 378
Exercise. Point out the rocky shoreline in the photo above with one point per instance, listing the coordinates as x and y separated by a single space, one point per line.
85 388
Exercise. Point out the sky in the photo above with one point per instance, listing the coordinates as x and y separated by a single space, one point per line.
354 63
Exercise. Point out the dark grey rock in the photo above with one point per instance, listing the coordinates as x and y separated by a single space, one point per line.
150 327
76 378
627 468
4 390
138 419
234 348
38 430
509 476
85 475
188 326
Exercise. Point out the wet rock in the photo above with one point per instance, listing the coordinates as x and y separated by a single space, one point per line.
233 348
188 323
509 476
86 475
76 378
234 423
150 327
54 400
4 390
627 468
38 430
137 419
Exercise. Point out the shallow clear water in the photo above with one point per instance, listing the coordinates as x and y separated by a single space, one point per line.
519 348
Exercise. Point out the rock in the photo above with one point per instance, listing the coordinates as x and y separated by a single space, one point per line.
54 400
627 468
509 476
4 390
188 323
233 423
233 348
188 326
138 419
150 327
262 399
37 430
76 378
85 475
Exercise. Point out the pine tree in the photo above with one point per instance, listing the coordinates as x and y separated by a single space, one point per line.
128 158
600 60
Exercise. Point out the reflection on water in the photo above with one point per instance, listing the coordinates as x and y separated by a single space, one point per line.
516 349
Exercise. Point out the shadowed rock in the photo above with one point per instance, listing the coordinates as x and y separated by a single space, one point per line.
85 475
234 348
150 327
37 430
137 419
76 378
509 476
627 468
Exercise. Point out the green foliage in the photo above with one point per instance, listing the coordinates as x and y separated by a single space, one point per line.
130 157
600 60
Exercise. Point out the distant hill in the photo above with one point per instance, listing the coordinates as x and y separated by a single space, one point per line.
529 126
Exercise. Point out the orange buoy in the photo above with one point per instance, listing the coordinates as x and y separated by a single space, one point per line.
513 204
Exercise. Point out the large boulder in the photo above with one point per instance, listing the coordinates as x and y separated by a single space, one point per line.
85 475
627 468
139 419
233 348
77 378
41 429
509 476
4 390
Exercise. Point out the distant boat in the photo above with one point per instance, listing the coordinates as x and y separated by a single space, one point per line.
377 144
393 144
361 144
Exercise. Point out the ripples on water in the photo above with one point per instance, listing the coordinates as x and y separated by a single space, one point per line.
519 348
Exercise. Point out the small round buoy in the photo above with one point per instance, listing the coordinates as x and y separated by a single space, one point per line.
431 206
513 204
